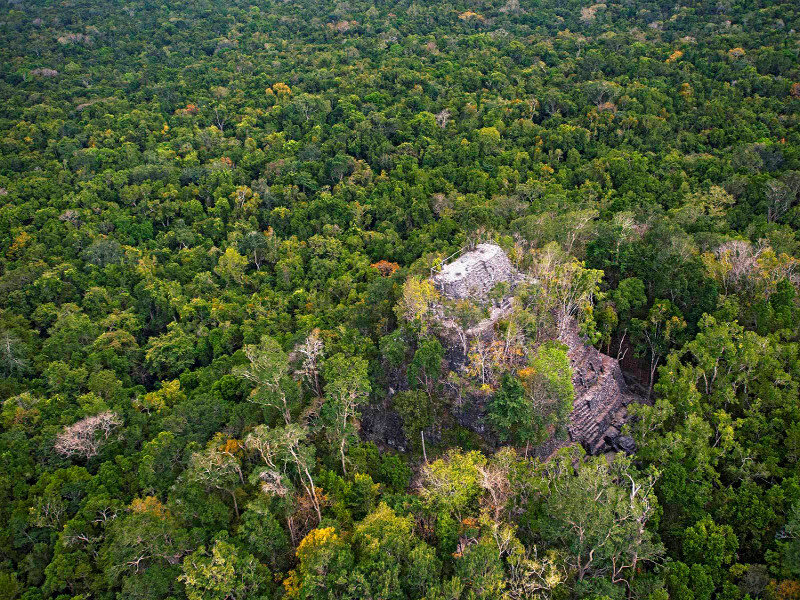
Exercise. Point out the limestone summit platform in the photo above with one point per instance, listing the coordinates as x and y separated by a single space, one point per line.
475 273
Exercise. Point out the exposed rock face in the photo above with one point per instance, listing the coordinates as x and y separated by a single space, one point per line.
383 426
601 396
475 273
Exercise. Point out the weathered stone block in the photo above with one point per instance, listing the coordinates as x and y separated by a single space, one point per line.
475 273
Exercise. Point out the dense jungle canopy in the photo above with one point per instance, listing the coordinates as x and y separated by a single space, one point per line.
223 372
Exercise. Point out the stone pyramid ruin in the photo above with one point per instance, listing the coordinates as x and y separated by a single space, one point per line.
475 273
601 393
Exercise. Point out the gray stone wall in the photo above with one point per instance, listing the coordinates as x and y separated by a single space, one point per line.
475 273
601 395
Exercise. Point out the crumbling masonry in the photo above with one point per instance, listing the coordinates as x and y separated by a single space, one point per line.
475 273
601 393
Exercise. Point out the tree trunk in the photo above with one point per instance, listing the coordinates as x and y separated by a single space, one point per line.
653 365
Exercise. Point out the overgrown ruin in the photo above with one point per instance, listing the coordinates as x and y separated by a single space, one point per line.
601 392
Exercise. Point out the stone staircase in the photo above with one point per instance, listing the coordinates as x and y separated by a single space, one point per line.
601 394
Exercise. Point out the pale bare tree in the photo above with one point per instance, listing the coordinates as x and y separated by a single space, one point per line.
601 515
513 351
739 265
738 259
312 350
567 285
49 512
633 511
511 6
532 574
85 437
346 389
494 479
781 195
578 229
11 353
480 361
219 119
442 117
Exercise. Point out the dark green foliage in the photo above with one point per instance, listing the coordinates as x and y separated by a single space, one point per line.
417 410
689 583
394 347
384 467
425 368
524 413
511 413
710 545
261 532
